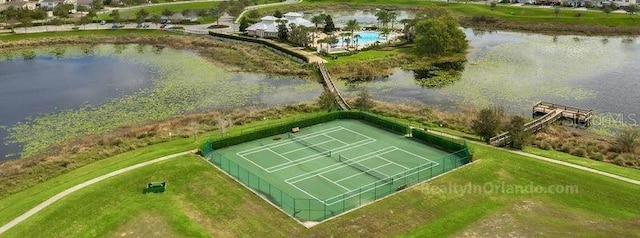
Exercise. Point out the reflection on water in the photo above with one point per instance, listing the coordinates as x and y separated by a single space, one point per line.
516 70
364 17
69 91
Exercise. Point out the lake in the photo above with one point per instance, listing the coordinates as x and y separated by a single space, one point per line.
51 94
516 70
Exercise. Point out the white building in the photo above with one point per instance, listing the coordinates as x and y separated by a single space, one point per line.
4 4
268 26
620 3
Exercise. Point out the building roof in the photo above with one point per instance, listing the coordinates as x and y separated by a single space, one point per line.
293 14
269 18
265 26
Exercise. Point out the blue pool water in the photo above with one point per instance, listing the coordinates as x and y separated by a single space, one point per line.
367 38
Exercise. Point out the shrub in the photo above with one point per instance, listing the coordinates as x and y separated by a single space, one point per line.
580 152
598 157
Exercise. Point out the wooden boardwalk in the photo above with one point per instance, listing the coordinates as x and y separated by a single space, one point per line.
551 112
328 83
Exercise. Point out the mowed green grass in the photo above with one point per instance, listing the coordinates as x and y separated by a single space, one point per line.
119 32
202 201
524 14
363 56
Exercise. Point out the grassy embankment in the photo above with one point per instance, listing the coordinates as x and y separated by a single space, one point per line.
83 33
201 201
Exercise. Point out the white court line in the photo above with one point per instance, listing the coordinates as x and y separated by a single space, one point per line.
418 156
327 169
391 162
289 141
369 189
357 133
342 179
316 156
281 156
325 178
304 148
305 192
336 139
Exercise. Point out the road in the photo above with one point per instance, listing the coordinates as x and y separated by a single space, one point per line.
73 189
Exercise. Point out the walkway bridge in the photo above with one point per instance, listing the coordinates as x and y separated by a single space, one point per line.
328 84
550 113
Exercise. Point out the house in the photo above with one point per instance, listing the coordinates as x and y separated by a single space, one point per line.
268 26
84 3
54 3
620 3
18 4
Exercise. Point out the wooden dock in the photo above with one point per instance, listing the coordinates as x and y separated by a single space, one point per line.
550 113
328 83
579 116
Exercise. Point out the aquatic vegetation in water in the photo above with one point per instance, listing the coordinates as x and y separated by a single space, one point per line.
182 82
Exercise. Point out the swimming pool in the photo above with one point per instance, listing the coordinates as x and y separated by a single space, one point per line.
368 37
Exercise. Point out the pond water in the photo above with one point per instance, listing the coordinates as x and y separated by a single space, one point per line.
516 70
49 95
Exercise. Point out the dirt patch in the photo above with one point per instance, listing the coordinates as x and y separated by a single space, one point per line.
145 225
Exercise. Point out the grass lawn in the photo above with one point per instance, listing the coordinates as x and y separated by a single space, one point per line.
119 32
362 56
202 201
14 205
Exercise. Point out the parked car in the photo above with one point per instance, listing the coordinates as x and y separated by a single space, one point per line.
114 26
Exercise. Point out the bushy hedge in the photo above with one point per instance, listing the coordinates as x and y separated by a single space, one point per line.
262 42
446 144
284 127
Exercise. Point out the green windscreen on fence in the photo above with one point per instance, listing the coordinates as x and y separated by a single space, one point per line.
306 209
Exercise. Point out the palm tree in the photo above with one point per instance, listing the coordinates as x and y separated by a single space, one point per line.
352 25
383 17
318 19
385 32
355 39
392 17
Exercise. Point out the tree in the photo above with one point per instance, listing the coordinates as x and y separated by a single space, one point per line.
62 10
627 139
156 19
56 22
283 32
26 22
385 31
382 17
352 25
607 9
278 14
487 123
631 9
299 35
356 38
96 4
364 101
318 19
493 5
141 15
217 12
519 137
253 14
439 36
244 24
328 25
327 100
187 12
556 11
393 16
83 21
115 14
167 13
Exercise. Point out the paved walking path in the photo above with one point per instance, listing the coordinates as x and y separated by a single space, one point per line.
73 189
575 166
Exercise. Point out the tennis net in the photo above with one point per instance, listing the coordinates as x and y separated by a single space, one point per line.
324 151
364 169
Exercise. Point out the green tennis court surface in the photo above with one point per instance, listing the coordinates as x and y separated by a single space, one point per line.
329 168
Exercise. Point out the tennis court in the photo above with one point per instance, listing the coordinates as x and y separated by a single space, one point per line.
332 167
